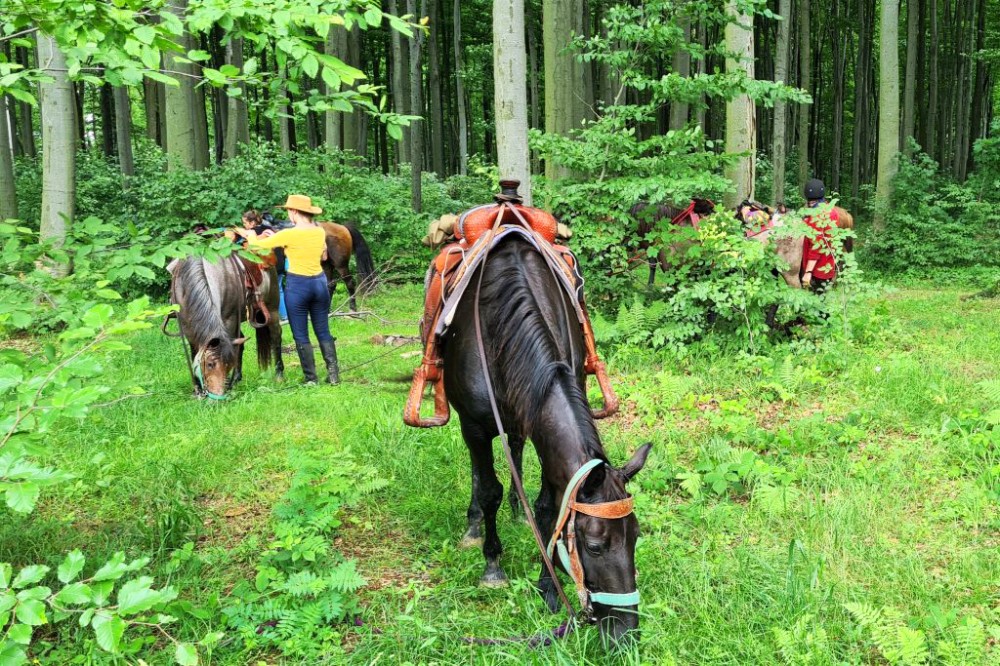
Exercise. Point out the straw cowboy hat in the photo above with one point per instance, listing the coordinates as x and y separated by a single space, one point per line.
302 203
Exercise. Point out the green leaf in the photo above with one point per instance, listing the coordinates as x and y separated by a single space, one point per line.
114 569
20 633
31 612
310 65
186 654
21 497
145 34
198 55
109 294
30 575
98 316
395 131
11 654
75 594
10 376
71 567
160 77
5 572
136 596
331 80
108 630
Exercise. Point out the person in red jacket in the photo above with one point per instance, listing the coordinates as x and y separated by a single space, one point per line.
819 262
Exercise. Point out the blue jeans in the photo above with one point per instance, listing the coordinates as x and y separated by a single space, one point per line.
308 298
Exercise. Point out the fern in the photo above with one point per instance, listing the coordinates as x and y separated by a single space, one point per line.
990 389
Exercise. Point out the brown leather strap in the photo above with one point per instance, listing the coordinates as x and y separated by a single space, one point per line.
617 509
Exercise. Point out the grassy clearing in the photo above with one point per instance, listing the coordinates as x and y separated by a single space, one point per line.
781 488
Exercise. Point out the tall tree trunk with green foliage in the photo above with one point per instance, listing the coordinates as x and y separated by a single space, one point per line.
416 109
237 118
910 95
434 86
25 125
561 106
123 131
510 69
8 194
180 107
460 101
805 83
336 44
679 111
400 82
741 119
58 148
888 116
780 138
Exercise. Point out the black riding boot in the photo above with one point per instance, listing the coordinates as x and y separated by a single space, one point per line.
307 360
329 349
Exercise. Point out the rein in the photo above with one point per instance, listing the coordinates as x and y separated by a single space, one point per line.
566 548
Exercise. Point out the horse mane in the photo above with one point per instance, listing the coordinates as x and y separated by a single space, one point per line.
199 315
527 356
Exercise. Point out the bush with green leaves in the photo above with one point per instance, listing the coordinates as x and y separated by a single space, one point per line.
934 222
304 588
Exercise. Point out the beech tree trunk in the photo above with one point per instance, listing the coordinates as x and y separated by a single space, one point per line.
336 43
180 107
888 117
460 101
58 148
25 128
679 111
510 70
741 125
401 81
434 84
805 82
780 136
909 99
930 142
416 108
561 80
8 194
353 139
123 132
237 118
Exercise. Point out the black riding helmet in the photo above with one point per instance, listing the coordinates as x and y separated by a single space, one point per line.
815 190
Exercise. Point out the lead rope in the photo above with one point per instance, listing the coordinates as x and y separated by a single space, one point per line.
515 477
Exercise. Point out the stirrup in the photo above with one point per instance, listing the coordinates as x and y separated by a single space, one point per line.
411 414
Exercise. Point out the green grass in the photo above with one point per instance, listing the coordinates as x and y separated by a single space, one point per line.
883 508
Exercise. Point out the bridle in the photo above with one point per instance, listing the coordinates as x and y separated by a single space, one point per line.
565 544
197 372
567 548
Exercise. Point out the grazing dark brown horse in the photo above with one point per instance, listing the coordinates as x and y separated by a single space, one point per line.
341 241
649 218
535 358
212 300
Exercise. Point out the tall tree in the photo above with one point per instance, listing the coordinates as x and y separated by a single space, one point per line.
25 126
805 83
401 82
930 142
58 147
780 134
910 94
682 66
123 132
336 46
237 119
562 109
888 117
180 106
416 108
460 98
8 195
510 68
741 119
434 86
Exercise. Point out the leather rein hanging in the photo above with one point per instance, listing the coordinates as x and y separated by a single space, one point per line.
567 549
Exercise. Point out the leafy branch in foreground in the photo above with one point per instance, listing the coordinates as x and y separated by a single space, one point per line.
26 604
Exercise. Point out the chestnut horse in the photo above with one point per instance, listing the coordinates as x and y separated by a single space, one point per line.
341 241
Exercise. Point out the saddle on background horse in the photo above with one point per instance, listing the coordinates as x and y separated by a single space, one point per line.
451 272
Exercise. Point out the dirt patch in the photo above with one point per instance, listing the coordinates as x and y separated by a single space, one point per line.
380 555
229 521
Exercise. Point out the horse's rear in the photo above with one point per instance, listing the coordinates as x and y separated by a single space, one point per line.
341 242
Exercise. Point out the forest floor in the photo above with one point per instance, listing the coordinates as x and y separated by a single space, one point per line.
782 489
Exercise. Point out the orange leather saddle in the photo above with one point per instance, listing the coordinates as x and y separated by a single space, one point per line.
452 270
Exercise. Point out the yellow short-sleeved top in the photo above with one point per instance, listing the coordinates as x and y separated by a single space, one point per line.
303 248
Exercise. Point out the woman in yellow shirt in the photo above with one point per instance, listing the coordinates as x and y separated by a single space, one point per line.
307 294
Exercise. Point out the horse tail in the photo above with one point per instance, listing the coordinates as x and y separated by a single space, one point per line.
263 335
363 257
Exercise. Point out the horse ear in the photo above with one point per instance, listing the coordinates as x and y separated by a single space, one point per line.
637 462
239 341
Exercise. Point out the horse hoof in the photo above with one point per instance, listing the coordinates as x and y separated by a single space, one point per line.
470 542
494 580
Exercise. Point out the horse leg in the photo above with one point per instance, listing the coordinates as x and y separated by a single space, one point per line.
473 536
545 518
348 279
238 372
279 364
488 497
652 270
517 452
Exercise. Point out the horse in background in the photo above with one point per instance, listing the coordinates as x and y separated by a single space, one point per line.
341 241
213 304
648 217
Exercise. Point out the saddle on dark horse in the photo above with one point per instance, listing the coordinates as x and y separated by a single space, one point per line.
258 315
450 275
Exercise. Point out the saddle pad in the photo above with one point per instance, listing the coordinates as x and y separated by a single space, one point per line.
475 256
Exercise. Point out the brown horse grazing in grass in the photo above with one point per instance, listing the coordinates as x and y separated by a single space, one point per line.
648 217
341 241
213 304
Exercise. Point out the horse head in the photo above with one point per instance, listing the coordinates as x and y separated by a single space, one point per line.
213 363
606 547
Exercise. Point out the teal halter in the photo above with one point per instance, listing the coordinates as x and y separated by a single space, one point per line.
566 546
